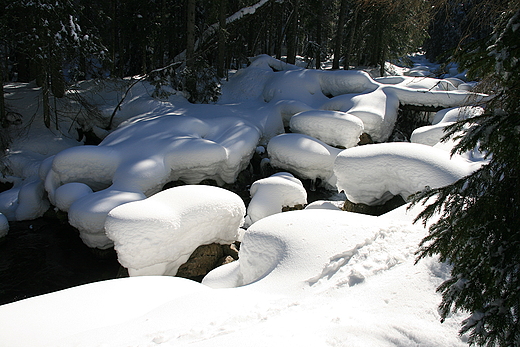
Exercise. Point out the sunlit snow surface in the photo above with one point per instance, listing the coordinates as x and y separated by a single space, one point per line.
157 235
159 141
311 277
320 276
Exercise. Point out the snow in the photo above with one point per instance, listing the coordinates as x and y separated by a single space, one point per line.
269 195
312 277
431 135
374 173
136 161
376 109
319 276
334 128
310 158
156 235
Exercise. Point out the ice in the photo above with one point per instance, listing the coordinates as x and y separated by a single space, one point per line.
156 235
269 195
374 173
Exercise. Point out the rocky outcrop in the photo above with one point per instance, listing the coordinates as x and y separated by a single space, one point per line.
205 258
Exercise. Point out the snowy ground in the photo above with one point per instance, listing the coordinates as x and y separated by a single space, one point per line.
320 276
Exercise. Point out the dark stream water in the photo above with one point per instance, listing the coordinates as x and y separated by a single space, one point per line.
46 255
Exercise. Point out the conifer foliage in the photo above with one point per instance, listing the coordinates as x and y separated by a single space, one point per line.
479 227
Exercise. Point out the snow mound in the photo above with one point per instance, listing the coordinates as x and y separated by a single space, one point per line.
431 135
377 109
156 235
136 161
269 195
304 155
316 277
276 253
374 173
333 128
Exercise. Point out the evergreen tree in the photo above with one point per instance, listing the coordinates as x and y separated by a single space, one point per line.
478 231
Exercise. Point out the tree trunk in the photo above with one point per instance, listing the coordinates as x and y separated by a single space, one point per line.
319 20
3 116
339 35
190 33
279 9
292 34
352 35
221 68
45 100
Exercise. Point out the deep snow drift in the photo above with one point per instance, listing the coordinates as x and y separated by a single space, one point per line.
320 276
316 277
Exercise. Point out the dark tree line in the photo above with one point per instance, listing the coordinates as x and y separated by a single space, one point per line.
59 42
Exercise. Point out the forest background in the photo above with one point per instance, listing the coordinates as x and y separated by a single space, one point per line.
191 44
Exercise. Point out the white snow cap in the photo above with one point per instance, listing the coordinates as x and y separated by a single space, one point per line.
333 128
304 155
136 161
271 194
368 173
156 235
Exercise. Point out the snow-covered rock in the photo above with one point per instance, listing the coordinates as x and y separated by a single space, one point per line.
269 195
156 235
137 160
333 128
372 174
303 155
377 110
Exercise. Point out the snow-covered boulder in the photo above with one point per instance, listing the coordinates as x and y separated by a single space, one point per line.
156 235
136 161
269 195
303 155
377 110
332 127
431 135
372 174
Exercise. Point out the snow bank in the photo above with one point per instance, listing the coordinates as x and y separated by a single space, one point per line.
45 319
333 128
156 235
367 174
269 195
306 156
315 277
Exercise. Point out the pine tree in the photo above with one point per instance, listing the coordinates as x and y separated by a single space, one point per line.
478 231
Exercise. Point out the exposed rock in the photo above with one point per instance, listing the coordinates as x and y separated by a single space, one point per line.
231 250
204 259
375 210
292 208
365 139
